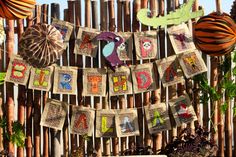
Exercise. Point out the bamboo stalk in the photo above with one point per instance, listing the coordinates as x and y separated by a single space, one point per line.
45 94
29 105
21 93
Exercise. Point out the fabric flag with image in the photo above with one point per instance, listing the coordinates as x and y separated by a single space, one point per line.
192 63
18 71
182 110
2 32
54 114
181 38
143 77
170 71
65 29
120 81
105 123
146 45
157 118
40 79
65 80
82 121
86 43
94 82
125 49
127 123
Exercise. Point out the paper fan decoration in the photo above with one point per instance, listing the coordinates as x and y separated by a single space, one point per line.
14 9
41 45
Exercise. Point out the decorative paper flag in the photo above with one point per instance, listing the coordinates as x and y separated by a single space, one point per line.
41 45
65 29
41 79
94 82
181 39
143 77
86 43
157 118
105 123
127 123
192 63
182 110
54 114
2 32
146 45
120 82
82 121
18 71
180 15
15 9
170 71
65 80
125 50
110 49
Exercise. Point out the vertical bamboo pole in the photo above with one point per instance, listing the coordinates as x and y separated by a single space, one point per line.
97 100
21 91
45 94
162 55
71 15
37 102
29 105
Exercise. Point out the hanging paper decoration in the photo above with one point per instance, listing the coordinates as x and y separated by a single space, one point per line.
125 49
65 80
146 45
215 34
54 114
65 29
18 71
127 123
40 79
14 9
182 110
82 121
2 32
86 43
181 39
157 118
94 82
170 71
120 82
192 63
110 49
41 45
105 123
143 77
179 16
2 77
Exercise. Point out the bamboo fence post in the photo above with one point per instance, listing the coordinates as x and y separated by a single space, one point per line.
37 101
2 93
45 94
1 116
138 97
29 104
71 15
97 100
21 92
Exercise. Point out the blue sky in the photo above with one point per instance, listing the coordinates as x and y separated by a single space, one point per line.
208 5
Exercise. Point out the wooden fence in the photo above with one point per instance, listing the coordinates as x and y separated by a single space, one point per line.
25 105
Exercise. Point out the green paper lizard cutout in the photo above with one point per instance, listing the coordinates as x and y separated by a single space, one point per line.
180 15
2 77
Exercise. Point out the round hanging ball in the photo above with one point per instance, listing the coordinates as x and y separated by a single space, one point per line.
215 34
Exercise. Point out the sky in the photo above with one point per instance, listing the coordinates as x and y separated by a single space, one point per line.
208 5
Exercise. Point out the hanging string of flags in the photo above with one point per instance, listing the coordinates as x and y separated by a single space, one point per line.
117 122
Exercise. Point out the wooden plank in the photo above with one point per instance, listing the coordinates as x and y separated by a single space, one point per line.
21 92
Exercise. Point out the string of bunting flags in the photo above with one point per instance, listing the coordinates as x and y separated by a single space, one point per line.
117 122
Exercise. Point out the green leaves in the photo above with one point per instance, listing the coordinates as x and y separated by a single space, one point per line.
224 107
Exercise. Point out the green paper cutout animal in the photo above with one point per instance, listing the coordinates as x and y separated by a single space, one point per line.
180 15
